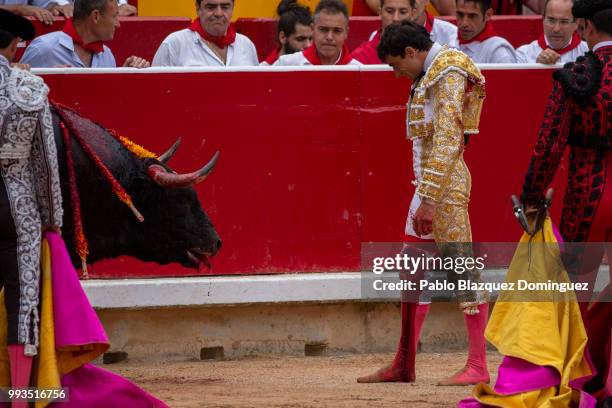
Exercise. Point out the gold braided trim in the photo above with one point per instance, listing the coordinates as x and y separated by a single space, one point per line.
420 129
447 60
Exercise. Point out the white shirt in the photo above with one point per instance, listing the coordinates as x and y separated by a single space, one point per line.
185 48
492 50
444 33
298 59
529 53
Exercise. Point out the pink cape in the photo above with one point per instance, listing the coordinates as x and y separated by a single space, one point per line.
76 324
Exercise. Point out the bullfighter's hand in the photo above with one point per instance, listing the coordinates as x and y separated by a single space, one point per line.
423 217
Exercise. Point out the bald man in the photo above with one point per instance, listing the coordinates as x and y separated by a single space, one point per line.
559 43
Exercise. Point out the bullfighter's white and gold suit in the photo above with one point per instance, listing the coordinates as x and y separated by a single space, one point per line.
445 106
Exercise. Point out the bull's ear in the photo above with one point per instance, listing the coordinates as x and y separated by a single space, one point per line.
165 157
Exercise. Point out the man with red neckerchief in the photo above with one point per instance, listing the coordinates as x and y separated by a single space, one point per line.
81 43
211 40
477 37
559 43
294 31
330 31
393 11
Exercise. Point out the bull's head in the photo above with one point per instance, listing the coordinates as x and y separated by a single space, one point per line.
175 227
175 190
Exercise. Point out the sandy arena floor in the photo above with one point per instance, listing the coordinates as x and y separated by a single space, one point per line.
298 382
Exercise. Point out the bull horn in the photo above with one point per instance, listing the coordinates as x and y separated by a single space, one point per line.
165 158
173 180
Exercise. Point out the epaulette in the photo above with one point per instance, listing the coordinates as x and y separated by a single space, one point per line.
449 60
27 91
581 79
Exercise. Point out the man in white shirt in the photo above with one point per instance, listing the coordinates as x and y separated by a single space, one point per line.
559 43
330 31
440 31
211 40
294 32
477 37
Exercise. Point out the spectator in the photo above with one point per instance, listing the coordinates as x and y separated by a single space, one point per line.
477 37
393 11
28 8
65 7
559 42
330 33
294 30
80 43
211 40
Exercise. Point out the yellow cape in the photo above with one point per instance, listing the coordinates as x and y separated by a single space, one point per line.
547 332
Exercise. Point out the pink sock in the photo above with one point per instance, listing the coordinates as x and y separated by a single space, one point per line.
476 325
21 368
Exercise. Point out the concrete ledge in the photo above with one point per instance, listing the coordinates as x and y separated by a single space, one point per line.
223 290
236 290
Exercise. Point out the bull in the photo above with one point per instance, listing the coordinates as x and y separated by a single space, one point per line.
175 227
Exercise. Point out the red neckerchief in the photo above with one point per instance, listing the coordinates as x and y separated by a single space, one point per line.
311 55
484 35
429 22
366 53
221 42
93 47
572 45
272 57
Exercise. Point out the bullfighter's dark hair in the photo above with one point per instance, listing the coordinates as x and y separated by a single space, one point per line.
397 36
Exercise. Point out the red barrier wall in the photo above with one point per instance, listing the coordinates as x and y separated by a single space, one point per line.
312 163
518 30
142 36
